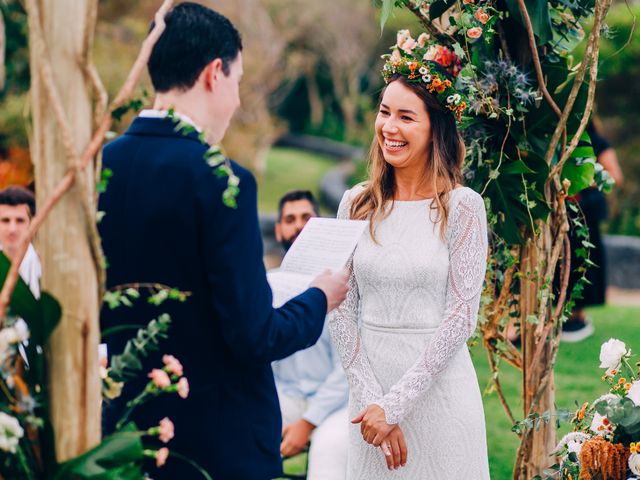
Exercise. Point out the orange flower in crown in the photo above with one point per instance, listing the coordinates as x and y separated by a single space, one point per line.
435 66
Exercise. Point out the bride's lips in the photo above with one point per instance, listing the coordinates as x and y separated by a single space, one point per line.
394 145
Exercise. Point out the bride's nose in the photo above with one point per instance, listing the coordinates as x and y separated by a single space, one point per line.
389 127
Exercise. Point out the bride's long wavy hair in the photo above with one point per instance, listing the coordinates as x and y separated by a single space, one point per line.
444 166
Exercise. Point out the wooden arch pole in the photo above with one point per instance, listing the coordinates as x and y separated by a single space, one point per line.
60 33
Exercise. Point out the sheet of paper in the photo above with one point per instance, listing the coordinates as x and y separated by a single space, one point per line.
286 285
324 243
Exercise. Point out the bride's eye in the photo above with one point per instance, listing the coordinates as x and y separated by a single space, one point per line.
384 112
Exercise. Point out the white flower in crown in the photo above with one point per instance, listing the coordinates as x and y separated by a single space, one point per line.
423 70
426 78
454 99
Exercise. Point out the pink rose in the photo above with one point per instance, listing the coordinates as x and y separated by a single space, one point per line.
475 32
422 40
160 378
403 36
161 456
173 365
166 430
467 2
481 16
395 56
409 45
183 388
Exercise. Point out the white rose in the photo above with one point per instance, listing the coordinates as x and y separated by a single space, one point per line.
573 441
634 393
611 353
634 463
22 330
10 432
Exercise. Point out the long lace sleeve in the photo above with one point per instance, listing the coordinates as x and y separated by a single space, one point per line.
343 325
467 241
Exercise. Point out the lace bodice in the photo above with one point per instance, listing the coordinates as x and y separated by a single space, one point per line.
412 279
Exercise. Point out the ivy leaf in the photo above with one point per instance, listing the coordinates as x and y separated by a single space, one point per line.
580 175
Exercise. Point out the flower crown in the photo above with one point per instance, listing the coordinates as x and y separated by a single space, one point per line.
430 65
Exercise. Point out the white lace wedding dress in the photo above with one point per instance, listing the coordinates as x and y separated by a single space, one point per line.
402 332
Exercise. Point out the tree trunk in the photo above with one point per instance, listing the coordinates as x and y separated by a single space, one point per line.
69 271
533 453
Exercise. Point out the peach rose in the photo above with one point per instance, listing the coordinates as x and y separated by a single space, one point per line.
403 36
422 39
481 16
395 56
475 32
409 45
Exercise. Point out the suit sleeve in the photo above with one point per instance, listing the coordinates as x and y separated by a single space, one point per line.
242 299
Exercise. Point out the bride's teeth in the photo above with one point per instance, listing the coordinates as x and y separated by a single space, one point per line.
395 144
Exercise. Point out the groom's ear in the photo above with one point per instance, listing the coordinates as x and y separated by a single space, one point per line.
278 232
211 74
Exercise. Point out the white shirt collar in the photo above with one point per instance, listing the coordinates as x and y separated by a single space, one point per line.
152 113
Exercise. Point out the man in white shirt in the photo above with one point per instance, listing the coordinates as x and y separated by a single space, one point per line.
311 383
17 206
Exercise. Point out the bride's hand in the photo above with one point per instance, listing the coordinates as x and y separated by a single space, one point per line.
394 448
373 424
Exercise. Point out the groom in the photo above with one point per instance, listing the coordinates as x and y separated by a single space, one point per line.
165 222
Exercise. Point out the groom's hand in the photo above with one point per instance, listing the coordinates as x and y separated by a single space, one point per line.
394 448
334 287
295 437
373 424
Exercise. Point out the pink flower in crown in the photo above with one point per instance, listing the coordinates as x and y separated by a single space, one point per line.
422 40
396 58
161 456
173 365
160 378
409 45
481 16
467 2
402 37
183 388
475 32
167 430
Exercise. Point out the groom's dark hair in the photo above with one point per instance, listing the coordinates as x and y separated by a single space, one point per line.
194 36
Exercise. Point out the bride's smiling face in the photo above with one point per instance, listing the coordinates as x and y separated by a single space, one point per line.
403 128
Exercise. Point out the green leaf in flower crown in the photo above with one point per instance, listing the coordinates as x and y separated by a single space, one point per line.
540 19
115 458
580 174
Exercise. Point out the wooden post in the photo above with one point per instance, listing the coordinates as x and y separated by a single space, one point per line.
69 271
533 452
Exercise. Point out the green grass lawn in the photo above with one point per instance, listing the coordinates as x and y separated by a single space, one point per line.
577 377
289 169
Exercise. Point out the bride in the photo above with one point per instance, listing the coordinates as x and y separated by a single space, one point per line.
415 287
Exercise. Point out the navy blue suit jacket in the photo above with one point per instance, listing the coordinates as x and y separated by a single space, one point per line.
165 222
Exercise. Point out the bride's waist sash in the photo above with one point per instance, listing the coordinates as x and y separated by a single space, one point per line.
398 329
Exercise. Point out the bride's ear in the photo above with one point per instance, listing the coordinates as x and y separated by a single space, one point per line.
211 73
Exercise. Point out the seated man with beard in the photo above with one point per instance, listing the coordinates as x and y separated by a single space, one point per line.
311 383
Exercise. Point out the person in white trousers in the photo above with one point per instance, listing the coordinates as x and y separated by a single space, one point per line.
312 386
